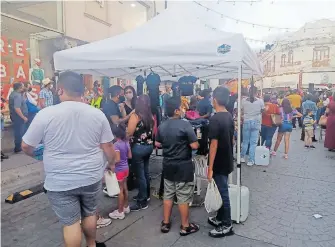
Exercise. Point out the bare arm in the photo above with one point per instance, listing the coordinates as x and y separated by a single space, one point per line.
27 149
298 114
194 145
212 153
207 115
123 110
108 149
133 121
130 155
42 103
117 157
158 144
116 120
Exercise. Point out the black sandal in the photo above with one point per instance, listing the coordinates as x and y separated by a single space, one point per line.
165 227
192 228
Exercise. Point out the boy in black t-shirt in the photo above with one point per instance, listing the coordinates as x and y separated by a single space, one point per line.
177 138
221 134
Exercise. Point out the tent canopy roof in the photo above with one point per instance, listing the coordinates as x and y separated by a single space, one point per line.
173 44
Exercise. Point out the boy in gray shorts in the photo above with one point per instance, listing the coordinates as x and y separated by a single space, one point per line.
177 138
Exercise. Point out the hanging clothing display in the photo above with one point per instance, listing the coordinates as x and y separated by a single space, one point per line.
186 85
153 81
140 81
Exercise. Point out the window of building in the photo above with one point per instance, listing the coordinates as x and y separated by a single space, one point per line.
48 14
290 57
321 53
283 60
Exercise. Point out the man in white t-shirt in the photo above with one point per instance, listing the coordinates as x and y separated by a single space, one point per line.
75 137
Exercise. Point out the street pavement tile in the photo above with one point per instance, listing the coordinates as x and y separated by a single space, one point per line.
283 199
146 232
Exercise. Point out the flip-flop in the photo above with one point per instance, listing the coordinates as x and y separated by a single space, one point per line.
192 228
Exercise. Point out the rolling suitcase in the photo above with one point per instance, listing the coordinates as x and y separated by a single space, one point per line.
262 156
245 194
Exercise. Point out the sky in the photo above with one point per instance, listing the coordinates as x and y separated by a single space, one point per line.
277 13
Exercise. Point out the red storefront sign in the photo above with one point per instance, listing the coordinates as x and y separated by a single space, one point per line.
16 65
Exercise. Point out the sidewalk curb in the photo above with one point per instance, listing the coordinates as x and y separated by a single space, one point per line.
12 175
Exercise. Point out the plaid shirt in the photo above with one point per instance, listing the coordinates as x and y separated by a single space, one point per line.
47 95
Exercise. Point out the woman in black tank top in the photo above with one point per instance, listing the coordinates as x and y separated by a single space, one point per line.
140 130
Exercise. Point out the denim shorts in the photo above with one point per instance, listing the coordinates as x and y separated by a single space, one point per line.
285 127
72 205
184 191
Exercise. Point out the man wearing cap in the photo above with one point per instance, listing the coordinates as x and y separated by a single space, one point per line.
46 97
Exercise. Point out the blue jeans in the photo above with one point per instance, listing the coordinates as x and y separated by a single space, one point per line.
19 130
223 214
267 135
250 137
140 161
31 116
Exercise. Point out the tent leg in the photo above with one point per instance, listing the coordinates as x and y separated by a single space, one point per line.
238 176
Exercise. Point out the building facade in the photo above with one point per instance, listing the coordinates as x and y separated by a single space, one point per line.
32 31
306 56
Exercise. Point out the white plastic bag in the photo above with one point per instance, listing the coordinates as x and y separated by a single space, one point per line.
112 183
213 200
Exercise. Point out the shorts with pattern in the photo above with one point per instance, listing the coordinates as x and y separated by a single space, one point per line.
183 190
72 205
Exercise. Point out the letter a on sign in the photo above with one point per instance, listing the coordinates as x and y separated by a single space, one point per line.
21 72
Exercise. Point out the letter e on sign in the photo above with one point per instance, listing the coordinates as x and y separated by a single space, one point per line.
20 49
21 72
4 46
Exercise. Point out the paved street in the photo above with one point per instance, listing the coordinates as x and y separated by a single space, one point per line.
284 198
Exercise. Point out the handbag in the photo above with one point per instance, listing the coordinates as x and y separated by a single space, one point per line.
112 183
323 121
276 119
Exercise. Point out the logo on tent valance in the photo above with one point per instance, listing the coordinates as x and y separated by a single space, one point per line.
223 49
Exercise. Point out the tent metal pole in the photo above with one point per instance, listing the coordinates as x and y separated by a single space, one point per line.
238 175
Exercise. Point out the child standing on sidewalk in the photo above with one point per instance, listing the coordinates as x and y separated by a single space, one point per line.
309 128
123 153
177 138
221 134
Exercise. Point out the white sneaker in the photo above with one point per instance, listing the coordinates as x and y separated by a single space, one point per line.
102 222
117 215
250 163
242 160
126 210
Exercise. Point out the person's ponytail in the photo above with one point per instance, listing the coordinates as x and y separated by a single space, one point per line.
252 92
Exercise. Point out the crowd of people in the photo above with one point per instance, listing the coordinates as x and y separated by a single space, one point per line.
262 117
80 135
88 134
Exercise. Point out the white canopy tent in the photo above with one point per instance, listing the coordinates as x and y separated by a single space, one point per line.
173 44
